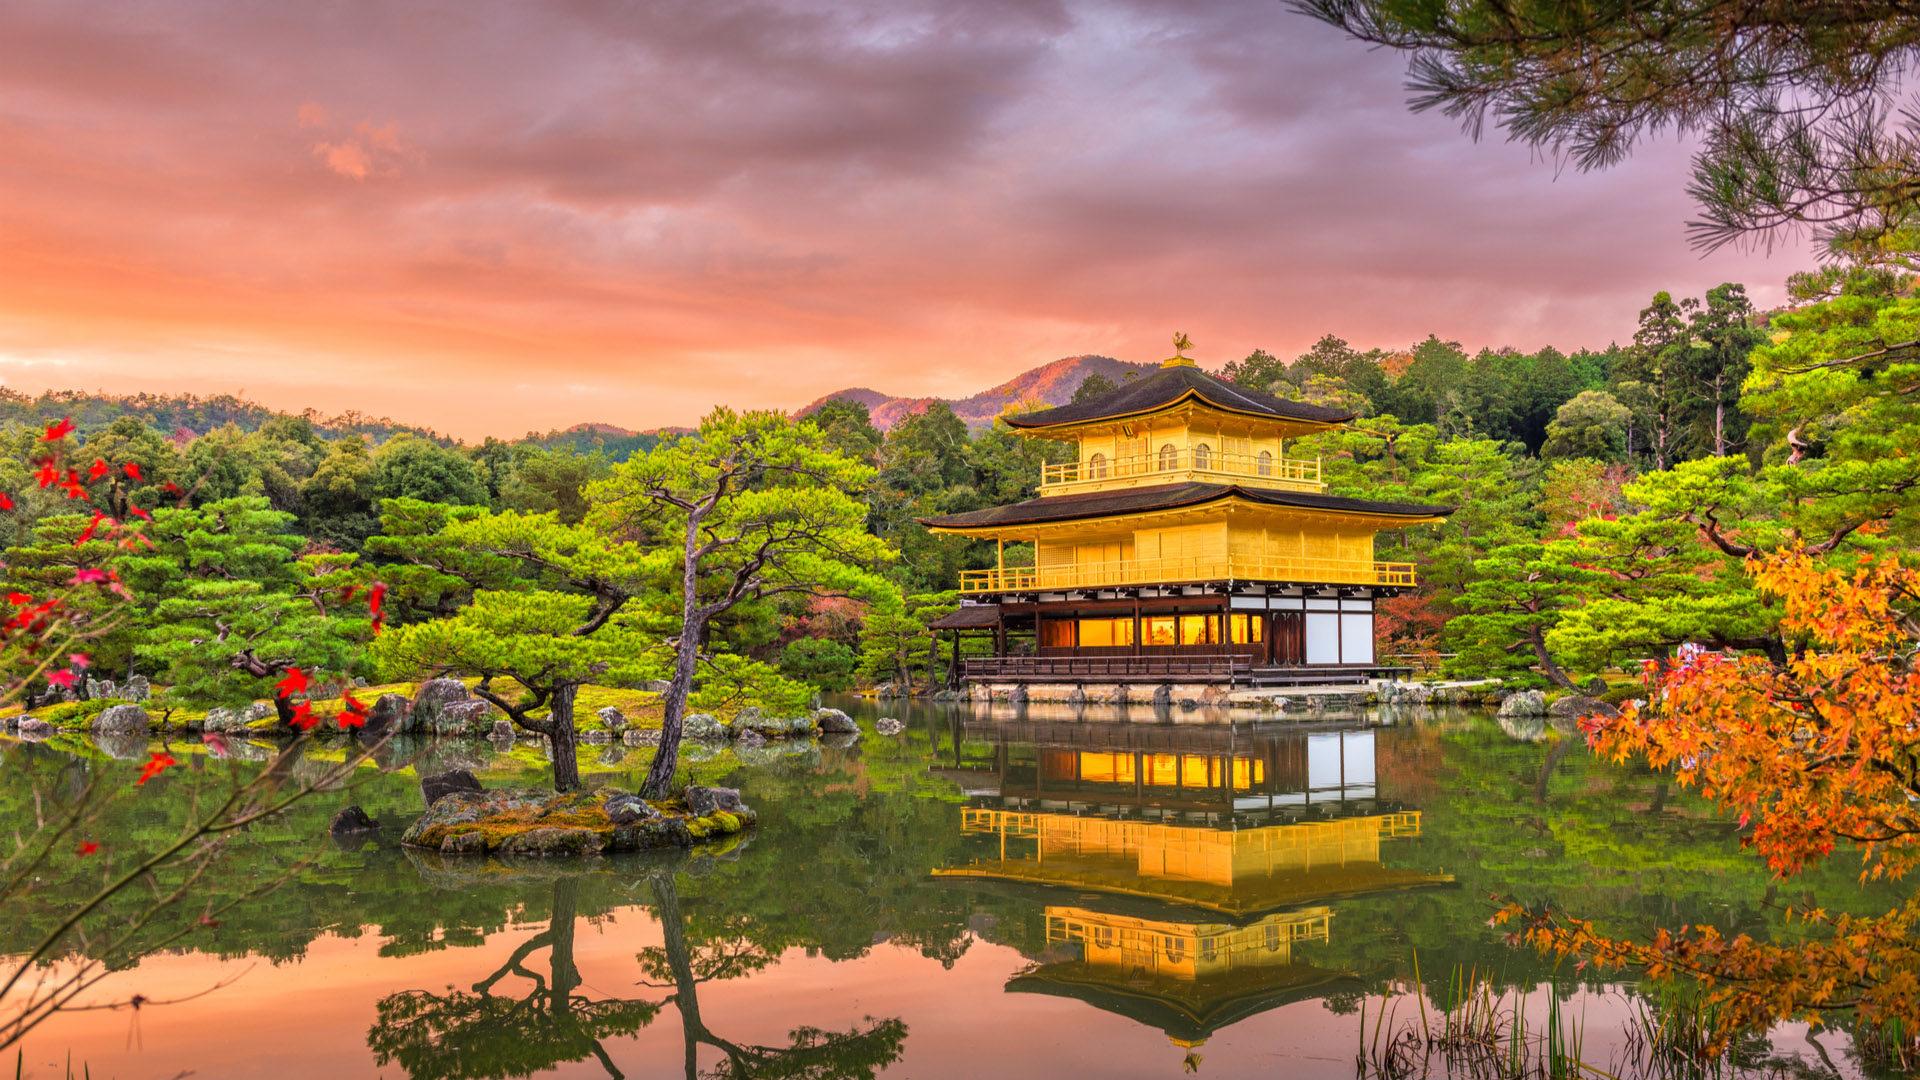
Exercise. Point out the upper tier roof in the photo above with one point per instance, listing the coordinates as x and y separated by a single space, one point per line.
1096 504
1168 387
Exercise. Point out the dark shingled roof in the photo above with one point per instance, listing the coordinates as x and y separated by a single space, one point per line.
1094 504
968 617
1169 385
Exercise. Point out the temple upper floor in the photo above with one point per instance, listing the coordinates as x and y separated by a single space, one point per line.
1179 424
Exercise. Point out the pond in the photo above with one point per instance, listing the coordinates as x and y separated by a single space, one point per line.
1011 896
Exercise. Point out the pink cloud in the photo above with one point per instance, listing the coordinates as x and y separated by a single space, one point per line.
347 159
682 202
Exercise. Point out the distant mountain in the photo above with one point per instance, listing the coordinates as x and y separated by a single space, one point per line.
185 416
1048 385
616 442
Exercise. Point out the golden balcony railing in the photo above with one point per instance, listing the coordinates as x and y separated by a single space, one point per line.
1195 463
1121 572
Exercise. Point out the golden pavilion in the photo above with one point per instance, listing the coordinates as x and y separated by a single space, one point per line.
1182 544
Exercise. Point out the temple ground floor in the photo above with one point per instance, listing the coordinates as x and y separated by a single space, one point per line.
1236 634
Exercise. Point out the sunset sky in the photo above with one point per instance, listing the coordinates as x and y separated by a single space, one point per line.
497 217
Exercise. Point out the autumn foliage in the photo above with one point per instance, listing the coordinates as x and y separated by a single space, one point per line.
1817 755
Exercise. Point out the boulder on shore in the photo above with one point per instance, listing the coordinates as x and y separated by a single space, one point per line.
612 719
433 697
34 729
391 715
1579 707
540 823
121 720
439 785
702 726
887 725
469 717
1524 703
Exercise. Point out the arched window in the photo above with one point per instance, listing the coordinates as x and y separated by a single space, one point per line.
1097 467
1169 458
1266 463
1203 456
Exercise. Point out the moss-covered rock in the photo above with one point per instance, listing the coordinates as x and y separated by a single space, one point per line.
539 823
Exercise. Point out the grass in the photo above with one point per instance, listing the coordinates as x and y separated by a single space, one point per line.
1480 1033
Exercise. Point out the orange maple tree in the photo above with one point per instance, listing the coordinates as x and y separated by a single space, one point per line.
1815 752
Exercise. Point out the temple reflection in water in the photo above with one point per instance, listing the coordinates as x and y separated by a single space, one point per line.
1183 870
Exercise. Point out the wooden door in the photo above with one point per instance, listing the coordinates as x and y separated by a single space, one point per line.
1289 637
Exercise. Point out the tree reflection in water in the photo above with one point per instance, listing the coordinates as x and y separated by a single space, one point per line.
813 1053
477 1034
467 1035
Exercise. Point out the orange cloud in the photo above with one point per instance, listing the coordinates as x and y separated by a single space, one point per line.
312 114
347 159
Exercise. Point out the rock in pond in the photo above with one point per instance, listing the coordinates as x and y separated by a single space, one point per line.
351 819
835 722
705 800
887 725
439 785
541 823
121 720
1524 703
502 731
34 729
641 737
624 808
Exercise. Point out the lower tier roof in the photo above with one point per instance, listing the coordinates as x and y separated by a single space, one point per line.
1099 504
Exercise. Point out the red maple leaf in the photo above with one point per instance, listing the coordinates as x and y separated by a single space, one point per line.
376 595
132 469
73 487
303 717
139 513
6 501
48 475
60 678
98 469
58 431
160 762
19 599
93 526
355 714
88 847
80 660
89 575
294 682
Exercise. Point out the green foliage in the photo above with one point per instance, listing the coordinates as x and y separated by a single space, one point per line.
409 467
231 603
1593 424
1517 595
826 664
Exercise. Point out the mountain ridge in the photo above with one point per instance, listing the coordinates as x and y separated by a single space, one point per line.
1049 384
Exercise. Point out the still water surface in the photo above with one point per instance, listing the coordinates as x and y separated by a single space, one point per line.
1033 896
